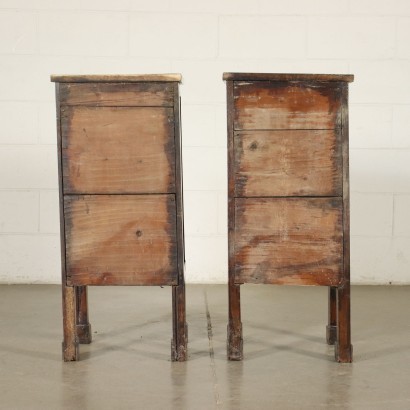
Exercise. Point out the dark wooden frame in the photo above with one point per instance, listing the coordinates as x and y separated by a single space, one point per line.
338 331
76 326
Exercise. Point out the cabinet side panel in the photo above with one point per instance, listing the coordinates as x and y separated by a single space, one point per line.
179 185
289 241
60 184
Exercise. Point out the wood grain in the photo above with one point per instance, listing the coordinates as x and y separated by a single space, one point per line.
289 241
287 77
117 94
115 78
118 150
279 105
121 240
288 163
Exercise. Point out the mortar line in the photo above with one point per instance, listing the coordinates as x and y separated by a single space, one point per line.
211 353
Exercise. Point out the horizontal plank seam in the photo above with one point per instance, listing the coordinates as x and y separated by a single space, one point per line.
285 129
118 194
289 196
101 104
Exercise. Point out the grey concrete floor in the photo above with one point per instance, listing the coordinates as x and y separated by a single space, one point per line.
287 363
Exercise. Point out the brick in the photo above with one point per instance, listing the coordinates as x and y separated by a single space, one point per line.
173 35
401 126
223 213
28 167
151 5
83 33
68 5
401 215
200 212
379 170
254 37
19 211
19 83
30 259
49 212
371 214
198 129
364 131
204 168
351 37
302 7
403 37
382 260
215 6
206 259
398 271
47 123
380 82
19 122
195 90
382 7
18 32
371 260
221 125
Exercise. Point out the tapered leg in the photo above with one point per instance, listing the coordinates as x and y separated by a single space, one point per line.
70 343
83 326
343 347
235 342
179 342
331 328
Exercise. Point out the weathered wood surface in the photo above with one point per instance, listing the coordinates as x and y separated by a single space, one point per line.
289 241
281 105
286 77
343 348
121 240
179 348
118 150
70 342
115 78
113 95
288 163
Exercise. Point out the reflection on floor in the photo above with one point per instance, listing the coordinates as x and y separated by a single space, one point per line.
287 363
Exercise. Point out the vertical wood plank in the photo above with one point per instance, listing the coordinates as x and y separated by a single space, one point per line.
331 328
343 350
235 341
83 326
70 340
70 343
180 329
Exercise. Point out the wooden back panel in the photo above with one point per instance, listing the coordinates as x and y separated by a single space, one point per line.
118 150
288 241
288 163
118 94
121 240
263 105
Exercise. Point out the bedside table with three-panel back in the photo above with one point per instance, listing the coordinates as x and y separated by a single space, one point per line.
288 192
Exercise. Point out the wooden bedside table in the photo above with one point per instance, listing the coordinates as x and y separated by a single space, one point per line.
121 207
288 192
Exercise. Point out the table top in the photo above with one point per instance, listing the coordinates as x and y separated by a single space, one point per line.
111 78
286 77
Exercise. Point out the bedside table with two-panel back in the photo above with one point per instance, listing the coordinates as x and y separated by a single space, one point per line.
121 209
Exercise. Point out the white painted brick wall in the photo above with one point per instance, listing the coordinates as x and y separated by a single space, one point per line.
369 38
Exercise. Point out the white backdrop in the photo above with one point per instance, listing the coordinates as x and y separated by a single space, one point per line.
369 38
